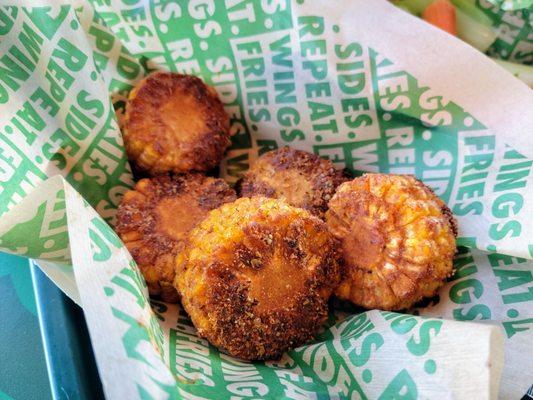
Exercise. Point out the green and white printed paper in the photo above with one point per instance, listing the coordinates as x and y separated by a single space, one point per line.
512 4
358 82
513 23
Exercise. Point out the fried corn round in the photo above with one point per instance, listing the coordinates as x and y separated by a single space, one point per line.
175 123
154 219
302 179
256 276
398 240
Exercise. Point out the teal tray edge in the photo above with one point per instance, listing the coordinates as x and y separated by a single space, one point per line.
69 357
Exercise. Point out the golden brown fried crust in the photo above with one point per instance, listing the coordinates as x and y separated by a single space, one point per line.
175 123
302 179
256 276
398 240
154 219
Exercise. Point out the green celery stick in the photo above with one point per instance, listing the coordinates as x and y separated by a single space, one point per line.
470 8
413 6
475 33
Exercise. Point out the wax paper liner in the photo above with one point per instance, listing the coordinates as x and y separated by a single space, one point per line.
514 30
358 82
512 4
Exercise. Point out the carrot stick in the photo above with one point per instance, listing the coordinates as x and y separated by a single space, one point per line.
441 13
